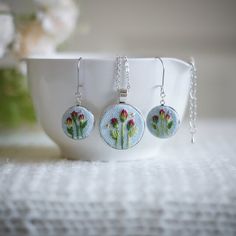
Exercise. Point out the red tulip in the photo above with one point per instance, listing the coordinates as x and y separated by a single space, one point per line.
69 121
167 117
155 119
74 114
123 115
161 112
114 122
130 124
81 117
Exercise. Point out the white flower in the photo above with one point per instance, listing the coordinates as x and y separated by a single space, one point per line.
54 23
32 40
7 29
47 3
60 20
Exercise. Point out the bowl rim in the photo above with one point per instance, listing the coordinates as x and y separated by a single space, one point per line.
87 57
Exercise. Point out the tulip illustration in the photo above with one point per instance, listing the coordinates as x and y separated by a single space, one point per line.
162 123
167 117
69 124
123 118
155 119
123 115
169 121
114 123
82 124
115 131
74 116
132 129
162 114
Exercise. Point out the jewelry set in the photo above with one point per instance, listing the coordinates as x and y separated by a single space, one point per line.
122 125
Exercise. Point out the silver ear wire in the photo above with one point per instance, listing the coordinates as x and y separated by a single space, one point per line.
162 92
163 72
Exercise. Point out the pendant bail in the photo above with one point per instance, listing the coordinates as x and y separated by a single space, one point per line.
123 95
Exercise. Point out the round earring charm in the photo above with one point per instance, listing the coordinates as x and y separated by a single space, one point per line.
163 121
122 126
77 122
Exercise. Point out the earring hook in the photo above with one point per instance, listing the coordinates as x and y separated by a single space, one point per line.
163 72
162 92
78 93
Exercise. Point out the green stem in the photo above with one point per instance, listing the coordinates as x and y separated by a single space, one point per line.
76 128
166 128
116 141
122 135
128 141
163 126
78 131
157 131
81 132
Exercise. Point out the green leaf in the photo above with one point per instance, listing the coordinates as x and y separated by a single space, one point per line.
154 126
114 134
83 124
132 131
70 131
169 125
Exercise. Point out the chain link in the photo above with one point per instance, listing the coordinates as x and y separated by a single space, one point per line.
118 73
162 94
78 94
193 102
127 72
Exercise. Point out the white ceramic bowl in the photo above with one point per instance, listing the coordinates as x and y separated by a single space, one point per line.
52 82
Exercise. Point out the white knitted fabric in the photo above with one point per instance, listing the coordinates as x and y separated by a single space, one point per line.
186 190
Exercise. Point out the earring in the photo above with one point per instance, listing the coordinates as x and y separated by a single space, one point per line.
163 121
122 125
78 121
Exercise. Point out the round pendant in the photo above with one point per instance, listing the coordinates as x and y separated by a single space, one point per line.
122 126
77 122
163 121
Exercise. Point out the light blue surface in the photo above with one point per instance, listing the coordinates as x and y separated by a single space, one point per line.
105 126
88 116
161 130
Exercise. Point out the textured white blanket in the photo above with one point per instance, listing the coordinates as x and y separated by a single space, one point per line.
186 190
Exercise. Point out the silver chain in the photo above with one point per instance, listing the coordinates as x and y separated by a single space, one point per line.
193 102
162 94
118 73
127 72
119 61
78 94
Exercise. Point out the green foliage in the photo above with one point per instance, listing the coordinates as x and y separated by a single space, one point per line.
132 131
115 134
70 130
83 124
15 103
154 126
169 125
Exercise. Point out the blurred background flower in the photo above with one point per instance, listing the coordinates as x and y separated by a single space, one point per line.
7 30
40 31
